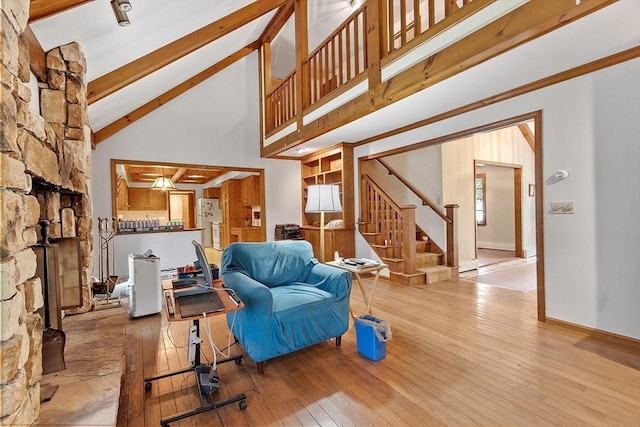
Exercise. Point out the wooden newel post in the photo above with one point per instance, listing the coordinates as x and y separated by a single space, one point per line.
409 238
452 236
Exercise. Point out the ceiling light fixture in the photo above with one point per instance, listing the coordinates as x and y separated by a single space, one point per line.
121 16
355 3
163 183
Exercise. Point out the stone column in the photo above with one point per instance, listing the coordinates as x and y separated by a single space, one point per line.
20 292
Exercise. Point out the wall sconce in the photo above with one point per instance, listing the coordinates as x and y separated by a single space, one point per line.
119 7
355 3
561 174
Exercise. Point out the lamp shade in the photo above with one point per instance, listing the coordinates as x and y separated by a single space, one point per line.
323 198
163 183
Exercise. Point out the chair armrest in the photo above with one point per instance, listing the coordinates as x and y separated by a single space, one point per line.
331 279
256 297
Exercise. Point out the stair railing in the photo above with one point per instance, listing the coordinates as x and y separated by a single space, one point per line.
449 216
395 223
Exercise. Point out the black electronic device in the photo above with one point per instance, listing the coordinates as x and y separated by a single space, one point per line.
208 379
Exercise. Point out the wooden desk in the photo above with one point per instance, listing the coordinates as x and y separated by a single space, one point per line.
357 272
172 311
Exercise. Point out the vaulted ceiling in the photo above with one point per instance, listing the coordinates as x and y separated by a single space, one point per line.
167 43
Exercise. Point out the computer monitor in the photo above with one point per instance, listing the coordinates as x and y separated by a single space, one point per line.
204 264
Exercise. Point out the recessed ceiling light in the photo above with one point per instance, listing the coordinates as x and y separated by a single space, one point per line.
196 176
302 150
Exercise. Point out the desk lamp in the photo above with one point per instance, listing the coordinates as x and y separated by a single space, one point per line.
320 199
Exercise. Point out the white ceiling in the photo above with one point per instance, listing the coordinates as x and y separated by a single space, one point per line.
155 23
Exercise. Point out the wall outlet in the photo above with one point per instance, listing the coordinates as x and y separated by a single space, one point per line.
561 207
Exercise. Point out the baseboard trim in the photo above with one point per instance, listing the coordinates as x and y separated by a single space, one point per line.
598 333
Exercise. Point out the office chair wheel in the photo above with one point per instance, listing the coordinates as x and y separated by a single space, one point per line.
147 386
242 405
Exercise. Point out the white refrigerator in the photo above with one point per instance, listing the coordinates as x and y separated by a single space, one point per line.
207 212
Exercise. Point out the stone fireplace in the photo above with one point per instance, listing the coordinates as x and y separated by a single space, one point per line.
44 175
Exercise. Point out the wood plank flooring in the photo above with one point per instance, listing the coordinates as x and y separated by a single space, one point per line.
462 354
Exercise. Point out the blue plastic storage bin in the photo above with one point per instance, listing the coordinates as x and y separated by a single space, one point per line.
368 343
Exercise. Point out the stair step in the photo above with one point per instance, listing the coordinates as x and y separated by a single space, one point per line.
436 273
424 259
372 238
395 264
407 279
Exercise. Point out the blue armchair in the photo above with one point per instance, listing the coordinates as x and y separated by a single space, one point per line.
290 300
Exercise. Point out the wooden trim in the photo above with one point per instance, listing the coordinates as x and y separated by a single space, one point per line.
39 9
37 57
277 22
302 51
572 73
456 135
166 97
528 135
517 200
373 27
526 23
129 73
596 333
539 180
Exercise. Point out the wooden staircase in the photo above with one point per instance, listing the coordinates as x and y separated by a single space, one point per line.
391 230
429 268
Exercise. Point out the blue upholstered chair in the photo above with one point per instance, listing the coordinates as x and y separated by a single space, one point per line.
291 301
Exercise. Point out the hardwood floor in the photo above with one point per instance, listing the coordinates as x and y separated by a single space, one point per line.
462 353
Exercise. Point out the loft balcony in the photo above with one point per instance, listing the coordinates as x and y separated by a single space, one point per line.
387 50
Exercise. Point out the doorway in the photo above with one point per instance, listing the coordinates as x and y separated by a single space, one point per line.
451 160
498 212
182 207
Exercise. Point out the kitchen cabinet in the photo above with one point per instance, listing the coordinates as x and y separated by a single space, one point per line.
251 191
211 193
147 199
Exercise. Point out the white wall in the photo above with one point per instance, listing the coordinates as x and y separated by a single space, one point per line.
499 231
216 123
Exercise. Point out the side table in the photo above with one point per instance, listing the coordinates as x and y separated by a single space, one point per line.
357 272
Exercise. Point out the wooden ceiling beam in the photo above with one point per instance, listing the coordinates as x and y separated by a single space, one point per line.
153 61
37 58
528 135
277 22
163 99
40 9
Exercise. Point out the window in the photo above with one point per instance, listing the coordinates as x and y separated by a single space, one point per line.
481 203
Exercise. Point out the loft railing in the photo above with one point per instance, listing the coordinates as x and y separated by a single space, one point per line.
281 103
342 57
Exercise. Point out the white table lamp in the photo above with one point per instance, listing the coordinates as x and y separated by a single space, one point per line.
320 199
